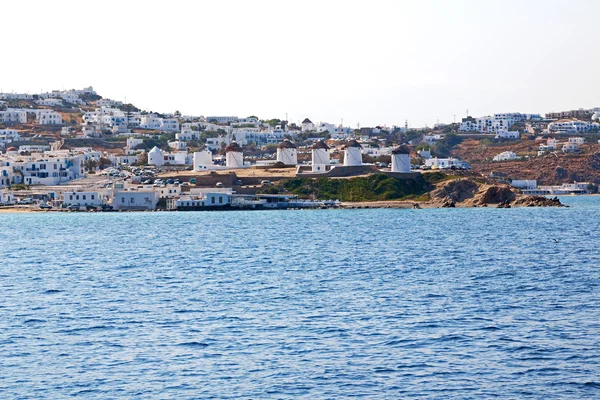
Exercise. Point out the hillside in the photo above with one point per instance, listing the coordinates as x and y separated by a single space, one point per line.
548 169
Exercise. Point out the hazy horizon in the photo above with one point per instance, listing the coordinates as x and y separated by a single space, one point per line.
380 63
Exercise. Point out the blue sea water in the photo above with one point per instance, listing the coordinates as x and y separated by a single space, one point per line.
328 304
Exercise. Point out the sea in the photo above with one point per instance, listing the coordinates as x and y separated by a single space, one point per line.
302 304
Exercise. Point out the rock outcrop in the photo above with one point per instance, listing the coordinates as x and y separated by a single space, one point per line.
538 201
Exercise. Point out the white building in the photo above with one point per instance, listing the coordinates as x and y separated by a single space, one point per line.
156 157
151 121
287 153
577 140
320 156
12 115
505 156
108 103
177 145
48 117
187 134
431 139
425 154
138 199
202 160
50 102
234 156
401 159
503 134
524 184
221 120
322 127
307 125
570 147
49 168
569 126
444 163
214 144
352 154
495 123
9 135
125 160
82 198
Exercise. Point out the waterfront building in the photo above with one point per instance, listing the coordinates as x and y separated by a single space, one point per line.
82 198
137 199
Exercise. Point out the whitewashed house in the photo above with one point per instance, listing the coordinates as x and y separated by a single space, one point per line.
48 117
577 140
570 147
12 115
82 198
50 102
504 134
569 126
505 156
8 135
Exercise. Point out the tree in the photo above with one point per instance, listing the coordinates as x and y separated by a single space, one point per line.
90 164
104 163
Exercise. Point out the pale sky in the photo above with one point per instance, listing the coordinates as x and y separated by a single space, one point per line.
369 62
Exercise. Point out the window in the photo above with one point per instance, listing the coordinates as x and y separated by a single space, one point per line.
92 197
220 200
212 200
71 197
77 197
84 196
122 199
132 200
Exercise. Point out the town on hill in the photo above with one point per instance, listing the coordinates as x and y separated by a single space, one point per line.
74 149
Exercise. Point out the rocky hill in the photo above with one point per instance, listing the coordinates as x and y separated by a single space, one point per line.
549 169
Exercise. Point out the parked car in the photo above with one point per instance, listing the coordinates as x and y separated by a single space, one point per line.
266 183
26 201
45 206
73 207
107 207
91 207
193 181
